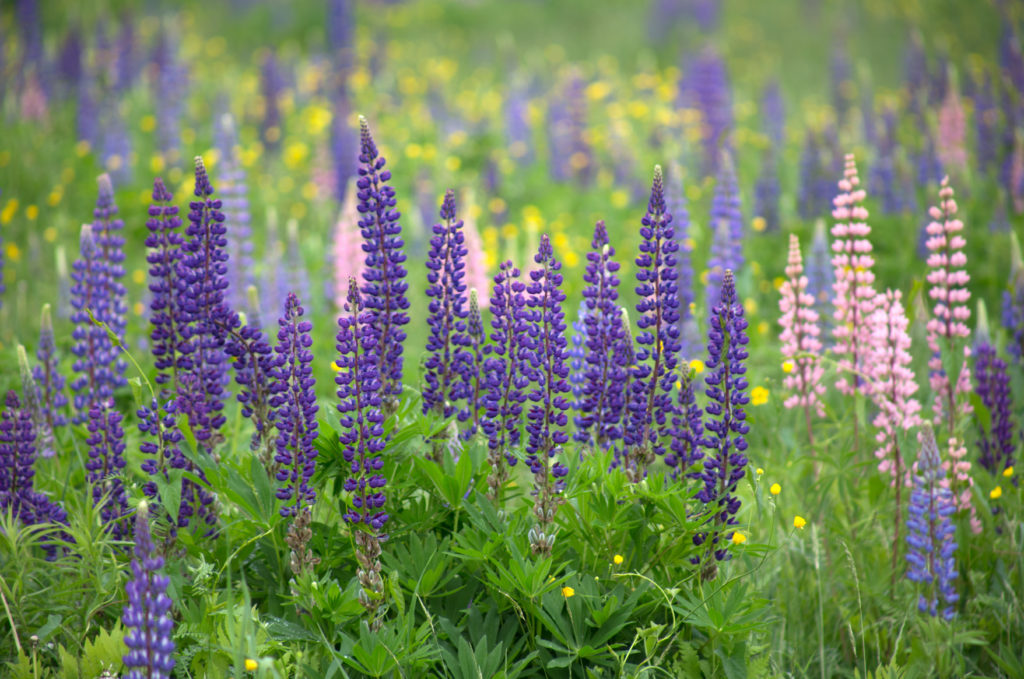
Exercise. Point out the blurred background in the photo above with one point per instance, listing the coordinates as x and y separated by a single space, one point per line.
544 116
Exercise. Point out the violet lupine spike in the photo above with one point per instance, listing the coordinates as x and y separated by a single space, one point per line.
931 533
94 352
167 318
602 405
855 296
654 374
203 281
725 426
625 355
546 419
801 345
774 110
449 361
676 206
727 228
362 440
577 354
105 467
687 430
767 190
49 380
17 469
147 616
234 192
711 89
294 398
947 327
384 284
116 151
1013 302
254 361
998 442
508 375
882 180
475 378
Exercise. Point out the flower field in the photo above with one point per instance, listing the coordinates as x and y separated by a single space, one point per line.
464 338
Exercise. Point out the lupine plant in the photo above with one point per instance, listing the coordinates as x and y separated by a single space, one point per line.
106 466
148 613
49 380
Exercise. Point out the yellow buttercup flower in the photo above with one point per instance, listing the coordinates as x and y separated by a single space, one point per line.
251 665
738 538
787 367
697 366
799 521
996 493
758 396
335 367
9 211
31 212
775 489
759 224
13 252
1008 472
617 559
568 592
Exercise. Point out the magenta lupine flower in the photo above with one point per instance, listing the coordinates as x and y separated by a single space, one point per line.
384 285
105 466
546 420
167 318
202 284
800 344
952 150
449 361
854 298
601 407
947 327
148 613
348 257
362 441
654 374
508 374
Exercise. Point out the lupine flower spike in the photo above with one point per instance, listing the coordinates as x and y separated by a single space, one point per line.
1013 302
49 380
164 244
546 420
654 374
947 328
362 440
854 298
148 613
508 375
47 443
801 347
931 539
384 286
892 390
105 466
725 460
294 399
997 441
602 404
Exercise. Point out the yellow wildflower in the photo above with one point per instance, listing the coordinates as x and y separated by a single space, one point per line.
759 471
452 163
13 252
775 489
697 366
787 367
799 522
758 396
759 224
335 367
251 665
31 211
568 592
9 211
1008 472
738 538
147 124
996 493
617 559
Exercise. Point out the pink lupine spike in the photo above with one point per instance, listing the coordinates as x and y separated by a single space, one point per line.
952 131
800 343
349 258
892 390
855 295
960 482
947 327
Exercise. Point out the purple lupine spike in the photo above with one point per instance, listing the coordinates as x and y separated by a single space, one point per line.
69 61
476 380
17 469
815 197
49 380
821 275
931 533
654 374
986 119
1013 303
384 285
148 613
362 440
601 406
997 442
710 83
882 180
235 201
345 154
577 354
624 355
687 429
87 118
202 274
508 375
676 206
254 362
546 419
271 84
93 350
727 228
106 229
449 362
31 31
341 38
105 466
774 111
168 319
726 425
517 127
915 66
46 443
294 397
115 143
767 190
170 89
